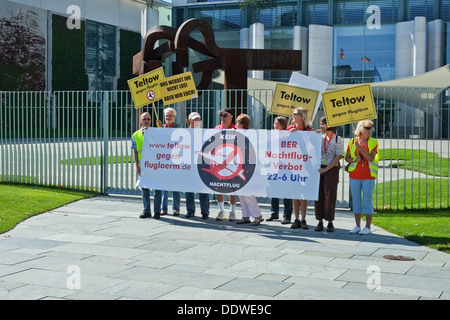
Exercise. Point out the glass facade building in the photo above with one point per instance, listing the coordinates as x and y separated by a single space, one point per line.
365 34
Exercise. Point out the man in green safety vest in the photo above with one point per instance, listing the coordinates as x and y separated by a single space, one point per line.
137 141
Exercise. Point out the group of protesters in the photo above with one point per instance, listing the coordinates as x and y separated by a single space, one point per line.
362 166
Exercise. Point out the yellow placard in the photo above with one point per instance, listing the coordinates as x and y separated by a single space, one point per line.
349 105
287 98
145 89
178 88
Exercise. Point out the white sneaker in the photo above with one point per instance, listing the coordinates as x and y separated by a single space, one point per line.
220 216
232 216
365 231
355 230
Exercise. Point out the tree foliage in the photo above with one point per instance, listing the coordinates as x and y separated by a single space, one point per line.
257 4
255 7
22 53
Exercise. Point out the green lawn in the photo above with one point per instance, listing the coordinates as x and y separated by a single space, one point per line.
19 202
97 160
417 160
409 214
428 228
404 194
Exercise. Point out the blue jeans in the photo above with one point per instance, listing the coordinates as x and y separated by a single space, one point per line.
146 200
157 201
175 201
362 203
204 203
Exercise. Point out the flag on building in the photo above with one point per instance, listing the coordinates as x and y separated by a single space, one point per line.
341 55
365 59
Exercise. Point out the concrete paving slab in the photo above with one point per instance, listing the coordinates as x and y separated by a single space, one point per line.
99 248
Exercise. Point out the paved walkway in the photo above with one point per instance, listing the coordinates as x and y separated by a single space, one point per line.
99 249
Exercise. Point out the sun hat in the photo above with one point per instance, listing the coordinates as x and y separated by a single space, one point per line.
194 115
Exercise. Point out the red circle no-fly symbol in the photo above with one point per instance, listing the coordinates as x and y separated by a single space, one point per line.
227 161
151 95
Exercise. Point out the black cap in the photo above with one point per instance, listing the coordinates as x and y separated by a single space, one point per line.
228 110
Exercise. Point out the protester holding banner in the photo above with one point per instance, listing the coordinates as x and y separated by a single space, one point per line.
362 155
332 150
249 204
195 121
280 123
137 142
226 117
301 123
170 116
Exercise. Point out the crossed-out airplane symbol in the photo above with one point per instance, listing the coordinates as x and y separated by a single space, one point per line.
219 162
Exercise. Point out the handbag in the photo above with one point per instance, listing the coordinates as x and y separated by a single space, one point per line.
348 164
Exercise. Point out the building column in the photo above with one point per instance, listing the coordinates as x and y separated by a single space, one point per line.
300 42
256 41
435 44
410 60
255 109
410 48
320 53
149 19
435 59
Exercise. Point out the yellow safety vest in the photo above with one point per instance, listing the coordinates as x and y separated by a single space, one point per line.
139 139
373 166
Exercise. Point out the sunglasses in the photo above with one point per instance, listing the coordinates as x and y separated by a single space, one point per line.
368 128
224 115
148 119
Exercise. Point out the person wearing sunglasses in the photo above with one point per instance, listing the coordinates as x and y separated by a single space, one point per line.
362 155
301 123
226 118
280 123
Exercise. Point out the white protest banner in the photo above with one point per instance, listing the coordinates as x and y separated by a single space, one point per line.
265 163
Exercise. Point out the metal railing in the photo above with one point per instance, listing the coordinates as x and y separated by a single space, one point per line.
81 140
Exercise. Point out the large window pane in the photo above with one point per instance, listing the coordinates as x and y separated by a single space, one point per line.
315 13
355 12
447 43
364 55
223 17
420 8
445 10
279 39
350 12
101 46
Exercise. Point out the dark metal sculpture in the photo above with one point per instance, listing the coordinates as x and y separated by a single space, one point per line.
234 62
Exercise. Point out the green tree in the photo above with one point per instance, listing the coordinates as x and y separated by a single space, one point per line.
256 6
